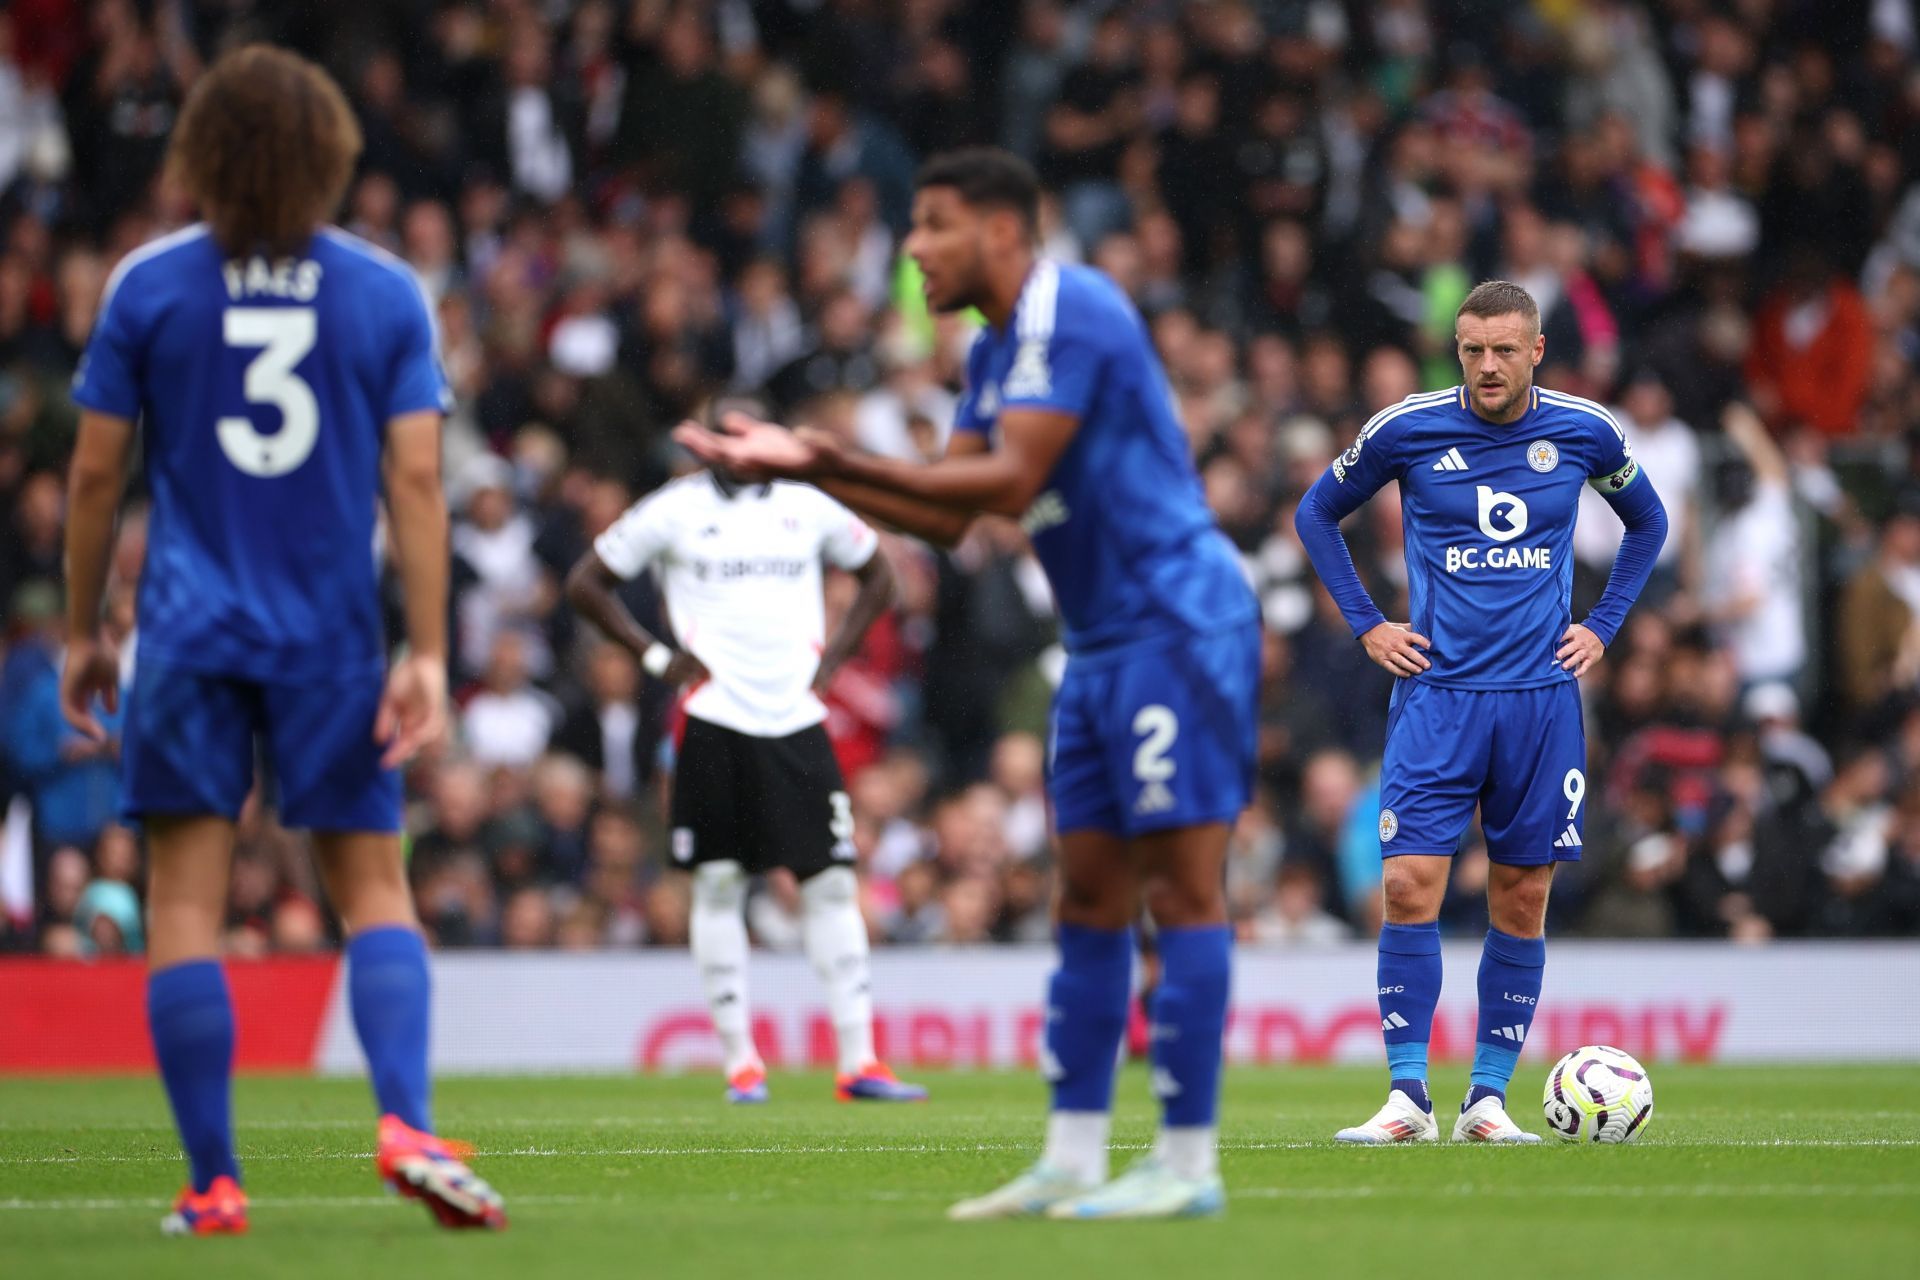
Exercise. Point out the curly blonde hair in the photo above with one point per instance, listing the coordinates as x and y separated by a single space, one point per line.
265 144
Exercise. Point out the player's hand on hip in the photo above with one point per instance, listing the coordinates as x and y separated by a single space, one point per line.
413 710
1579 650
685 669
1397 647
92 671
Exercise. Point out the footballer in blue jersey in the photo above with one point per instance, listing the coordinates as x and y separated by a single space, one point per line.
1486 712
282 379
1067 424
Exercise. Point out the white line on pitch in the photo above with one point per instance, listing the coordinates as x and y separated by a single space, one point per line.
964 1148
267 1202
1683 1191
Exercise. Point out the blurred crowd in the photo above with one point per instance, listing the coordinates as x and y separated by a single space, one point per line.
622 209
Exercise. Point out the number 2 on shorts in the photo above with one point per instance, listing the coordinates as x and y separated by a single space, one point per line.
1159 727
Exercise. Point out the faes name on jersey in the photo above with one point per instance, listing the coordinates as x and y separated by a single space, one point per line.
295 279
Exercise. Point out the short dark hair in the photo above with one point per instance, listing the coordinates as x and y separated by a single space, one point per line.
1492 298
986 177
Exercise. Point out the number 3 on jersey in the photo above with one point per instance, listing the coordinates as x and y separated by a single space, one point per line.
285 335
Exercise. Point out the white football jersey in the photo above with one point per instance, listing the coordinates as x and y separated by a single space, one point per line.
742 581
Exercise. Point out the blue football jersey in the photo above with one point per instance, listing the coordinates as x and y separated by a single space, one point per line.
263 388
1488 512
1121 527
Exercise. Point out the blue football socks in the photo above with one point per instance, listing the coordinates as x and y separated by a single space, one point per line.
1087 1015
1189 1021
1510 972
1409 990
389 988
190 1015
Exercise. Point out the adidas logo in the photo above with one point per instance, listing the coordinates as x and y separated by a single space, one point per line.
1392 1022
1164 1085
1569 839
1517 1034
1154 798
1451 461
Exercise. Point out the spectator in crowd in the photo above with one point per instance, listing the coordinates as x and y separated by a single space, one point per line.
1753 586
839 358
1879 632
495 543
30 549
107 920
1812 348
507 721
1668 448
603 729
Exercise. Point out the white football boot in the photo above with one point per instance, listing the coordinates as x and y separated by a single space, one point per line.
1149 1189
1027 1196
1487 1121
1401 1120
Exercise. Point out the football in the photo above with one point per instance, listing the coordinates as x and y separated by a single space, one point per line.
1598 1094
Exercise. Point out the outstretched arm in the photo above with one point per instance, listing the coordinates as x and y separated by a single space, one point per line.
937 522
1002 481
934 522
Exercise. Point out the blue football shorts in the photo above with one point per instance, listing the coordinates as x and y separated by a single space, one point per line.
1519 754
1157 736
189 748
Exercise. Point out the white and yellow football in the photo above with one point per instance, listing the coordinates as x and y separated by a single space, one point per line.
1598 1094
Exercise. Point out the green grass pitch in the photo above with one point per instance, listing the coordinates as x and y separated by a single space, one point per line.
1744 1172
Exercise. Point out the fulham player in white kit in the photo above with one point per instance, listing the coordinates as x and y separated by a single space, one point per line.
755 785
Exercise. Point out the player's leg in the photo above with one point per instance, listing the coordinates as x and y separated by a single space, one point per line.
806 823
1429 781
320 734
190 1012
1096 899
389 986
1095 904
1181 757
1408 970
188 760
717 936
1185 876
1533 812
708 839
